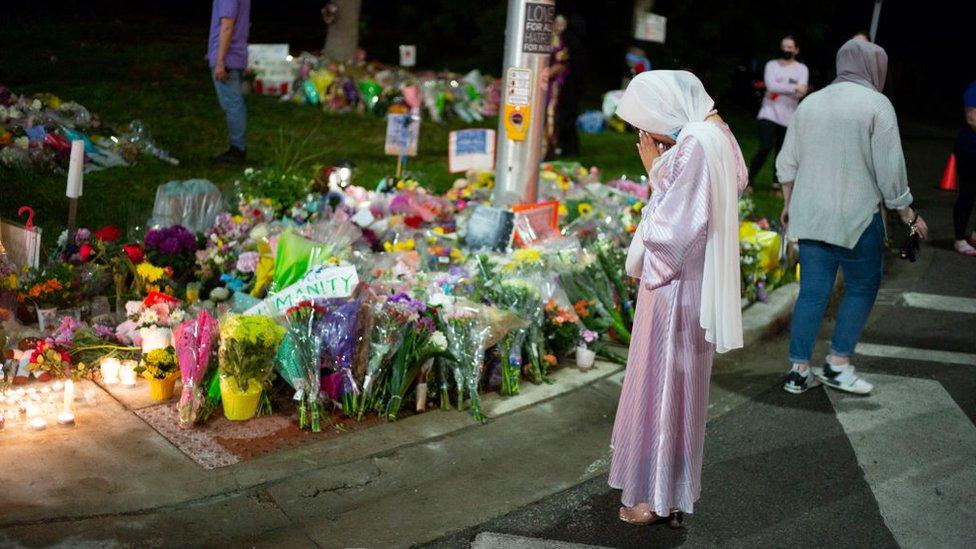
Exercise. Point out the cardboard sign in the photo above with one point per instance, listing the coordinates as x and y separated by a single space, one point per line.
651 27
22 246
408 55
319 283
490 228
471 150
537 31
402 134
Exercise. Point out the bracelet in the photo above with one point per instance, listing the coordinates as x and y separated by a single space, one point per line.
915 220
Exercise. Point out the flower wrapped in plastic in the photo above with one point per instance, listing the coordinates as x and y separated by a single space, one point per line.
299 360
587 285
195 341
391 320
467 332
421 343
339 328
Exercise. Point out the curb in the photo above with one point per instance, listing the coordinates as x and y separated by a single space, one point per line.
764 320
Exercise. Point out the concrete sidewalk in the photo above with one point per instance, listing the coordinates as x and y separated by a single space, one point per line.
113 479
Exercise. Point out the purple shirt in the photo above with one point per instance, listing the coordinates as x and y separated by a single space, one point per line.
240 12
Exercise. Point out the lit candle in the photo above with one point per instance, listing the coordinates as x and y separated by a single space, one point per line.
127 373
110 370
76 167
66 418
69 395
38 424
58 385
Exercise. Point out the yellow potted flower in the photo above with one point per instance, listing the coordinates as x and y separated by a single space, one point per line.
247 352
160 368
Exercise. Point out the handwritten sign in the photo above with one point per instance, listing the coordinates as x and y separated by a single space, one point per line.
318 283
471 150
408 55
651 27
22 245
402 134
537 32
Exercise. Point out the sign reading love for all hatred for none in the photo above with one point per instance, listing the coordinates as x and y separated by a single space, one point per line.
537 32
402 134
471 150
319 283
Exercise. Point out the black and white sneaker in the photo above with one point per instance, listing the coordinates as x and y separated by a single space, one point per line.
797 382
843 379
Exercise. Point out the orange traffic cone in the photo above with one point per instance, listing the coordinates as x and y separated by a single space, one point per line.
948 182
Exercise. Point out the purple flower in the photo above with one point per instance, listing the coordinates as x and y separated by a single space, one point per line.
248 262
154 238
82 236
170 246
426 324
104 332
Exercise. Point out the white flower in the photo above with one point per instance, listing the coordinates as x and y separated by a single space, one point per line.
438 340
219 259
62 239
248 171
177 316
219 294
133 308
148 318
260 232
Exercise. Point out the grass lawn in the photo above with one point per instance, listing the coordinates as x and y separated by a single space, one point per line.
161 79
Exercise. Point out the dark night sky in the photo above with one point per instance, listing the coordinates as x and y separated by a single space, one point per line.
929 44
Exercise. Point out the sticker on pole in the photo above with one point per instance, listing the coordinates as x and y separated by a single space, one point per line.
402 134
319 283
518 84
537 32
471 150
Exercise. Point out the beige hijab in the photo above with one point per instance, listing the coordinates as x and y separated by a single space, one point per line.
862 63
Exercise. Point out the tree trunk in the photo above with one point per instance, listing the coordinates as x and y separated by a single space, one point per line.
342 39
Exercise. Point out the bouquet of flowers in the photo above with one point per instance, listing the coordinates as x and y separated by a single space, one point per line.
585 281
52 360
340 337
467 332
173 248
391 320
561 328
224 248
280 186
158 364
194 341
421 344
299 359
613 259
49 287
89 345
247 350
522 298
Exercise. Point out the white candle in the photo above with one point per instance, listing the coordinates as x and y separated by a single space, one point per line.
127 374
66 418
110 370
38 423
69 396
76 167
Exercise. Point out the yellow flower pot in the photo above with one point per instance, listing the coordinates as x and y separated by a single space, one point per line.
162 389
239 406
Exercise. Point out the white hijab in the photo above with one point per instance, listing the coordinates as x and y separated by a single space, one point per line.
664 102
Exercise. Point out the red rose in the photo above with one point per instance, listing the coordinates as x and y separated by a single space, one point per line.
86 251
135 252
108 233
414 221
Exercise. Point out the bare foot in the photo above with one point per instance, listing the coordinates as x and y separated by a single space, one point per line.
639 514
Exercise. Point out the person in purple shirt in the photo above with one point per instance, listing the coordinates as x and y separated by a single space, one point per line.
230 21
786 83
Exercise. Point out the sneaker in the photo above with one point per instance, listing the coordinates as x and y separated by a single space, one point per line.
797 382
843 379
233 155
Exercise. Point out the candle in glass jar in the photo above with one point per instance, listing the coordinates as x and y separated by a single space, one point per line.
69 395
127 373
110 370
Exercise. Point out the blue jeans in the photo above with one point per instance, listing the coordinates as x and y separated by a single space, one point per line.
818 270
231 98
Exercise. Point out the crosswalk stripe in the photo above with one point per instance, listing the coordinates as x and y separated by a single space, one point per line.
911 353
916 447
491 540
940 302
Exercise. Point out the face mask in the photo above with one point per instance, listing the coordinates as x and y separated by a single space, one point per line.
787 55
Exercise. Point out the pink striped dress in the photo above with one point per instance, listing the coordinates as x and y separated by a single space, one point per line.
659 430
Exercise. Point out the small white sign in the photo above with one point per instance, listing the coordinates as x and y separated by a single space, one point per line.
519 87
471 150
319 283
402 134
651 27
408 55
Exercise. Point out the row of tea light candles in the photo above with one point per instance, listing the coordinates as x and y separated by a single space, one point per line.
32 405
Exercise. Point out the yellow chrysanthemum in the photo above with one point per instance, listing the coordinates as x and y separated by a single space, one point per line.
149 272
563 211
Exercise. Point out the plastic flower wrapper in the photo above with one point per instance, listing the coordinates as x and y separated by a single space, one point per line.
391 318
247 349
440 250
299 360
295 256
612 259
339 329
421 343
587 285
467 331
195 341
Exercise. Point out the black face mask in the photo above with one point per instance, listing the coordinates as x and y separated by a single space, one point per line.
787 55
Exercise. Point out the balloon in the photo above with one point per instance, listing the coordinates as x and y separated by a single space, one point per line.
370 91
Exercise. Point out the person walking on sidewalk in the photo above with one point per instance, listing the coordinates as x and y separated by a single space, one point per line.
786 83
686 254
965 151
230 22
841 160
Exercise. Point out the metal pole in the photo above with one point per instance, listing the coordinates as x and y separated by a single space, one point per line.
521 123
874 19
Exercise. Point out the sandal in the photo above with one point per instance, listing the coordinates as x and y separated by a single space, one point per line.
638 515
965 248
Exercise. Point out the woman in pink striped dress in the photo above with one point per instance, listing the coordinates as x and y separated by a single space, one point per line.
686 254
